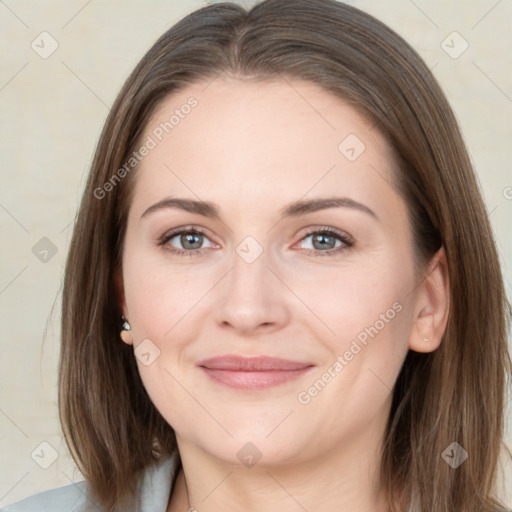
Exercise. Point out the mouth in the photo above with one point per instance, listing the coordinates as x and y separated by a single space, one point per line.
252 373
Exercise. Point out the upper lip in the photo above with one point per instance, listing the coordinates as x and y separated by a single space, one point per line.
251 364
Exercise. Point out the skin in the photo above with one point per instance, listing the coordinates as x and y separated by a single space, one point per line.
253 148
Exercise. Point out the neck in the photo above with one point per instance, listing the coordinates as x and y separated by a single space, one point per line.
346 478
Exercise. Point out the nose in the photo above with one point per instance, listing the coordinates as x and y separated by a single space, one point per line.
251 299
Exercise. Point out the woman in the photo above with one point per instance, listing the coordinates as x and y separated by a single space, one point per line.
282 219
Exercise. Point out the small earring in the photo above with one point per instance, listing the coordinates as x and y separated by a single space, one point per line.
126 325
426 339
126 335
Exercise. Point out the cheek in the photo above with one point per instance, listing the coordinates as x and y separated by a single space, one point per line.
369 310
160 295
164 303
365 357
360 302
365 315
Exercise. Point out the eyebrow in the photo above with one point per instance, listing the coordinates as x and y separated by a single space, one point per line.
295 209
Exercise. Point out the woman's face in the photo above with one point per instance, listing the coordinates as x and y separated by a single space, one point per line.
264 223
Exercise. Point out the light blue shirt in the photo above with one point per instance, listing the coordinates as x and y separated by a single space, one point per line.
154 494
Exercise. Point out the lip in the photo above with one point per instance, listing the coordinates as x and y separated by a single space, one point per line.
253 373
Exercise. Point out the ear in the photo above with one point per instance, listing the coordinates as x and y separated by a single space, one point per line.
432 306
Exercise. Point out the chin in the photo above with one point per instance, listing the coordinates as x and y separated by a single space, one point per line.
253 444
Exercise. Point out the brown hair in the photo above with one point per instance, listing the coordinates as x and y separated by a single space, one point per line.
455 393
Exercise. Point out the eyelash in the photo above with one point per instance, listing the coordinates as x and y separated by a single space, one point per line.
347 241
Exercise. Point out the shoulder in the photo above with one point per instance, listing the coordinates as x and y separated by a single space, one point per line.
156 485
69 498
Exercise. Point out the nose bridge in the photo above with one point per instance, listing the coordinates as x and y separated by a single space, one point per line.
249 270
249 297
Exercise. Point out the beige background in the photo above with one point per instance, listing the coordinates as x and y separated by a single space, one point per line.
52 112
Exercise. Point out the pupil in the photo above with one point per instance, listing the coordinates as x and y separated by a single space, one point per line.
324 241
191 241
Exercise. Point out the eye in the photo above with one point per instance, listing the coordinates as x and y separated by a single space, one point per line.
186 241
325 241
192 241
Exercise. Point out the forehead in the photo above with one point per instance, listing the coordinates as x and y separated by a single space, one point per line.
251 140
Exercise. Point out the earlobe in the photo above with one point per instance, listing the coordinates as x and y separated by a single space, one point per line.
432 306
126 332
127 338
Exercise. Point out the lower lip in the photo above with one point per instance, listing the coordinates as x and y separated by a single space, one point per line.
254 380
